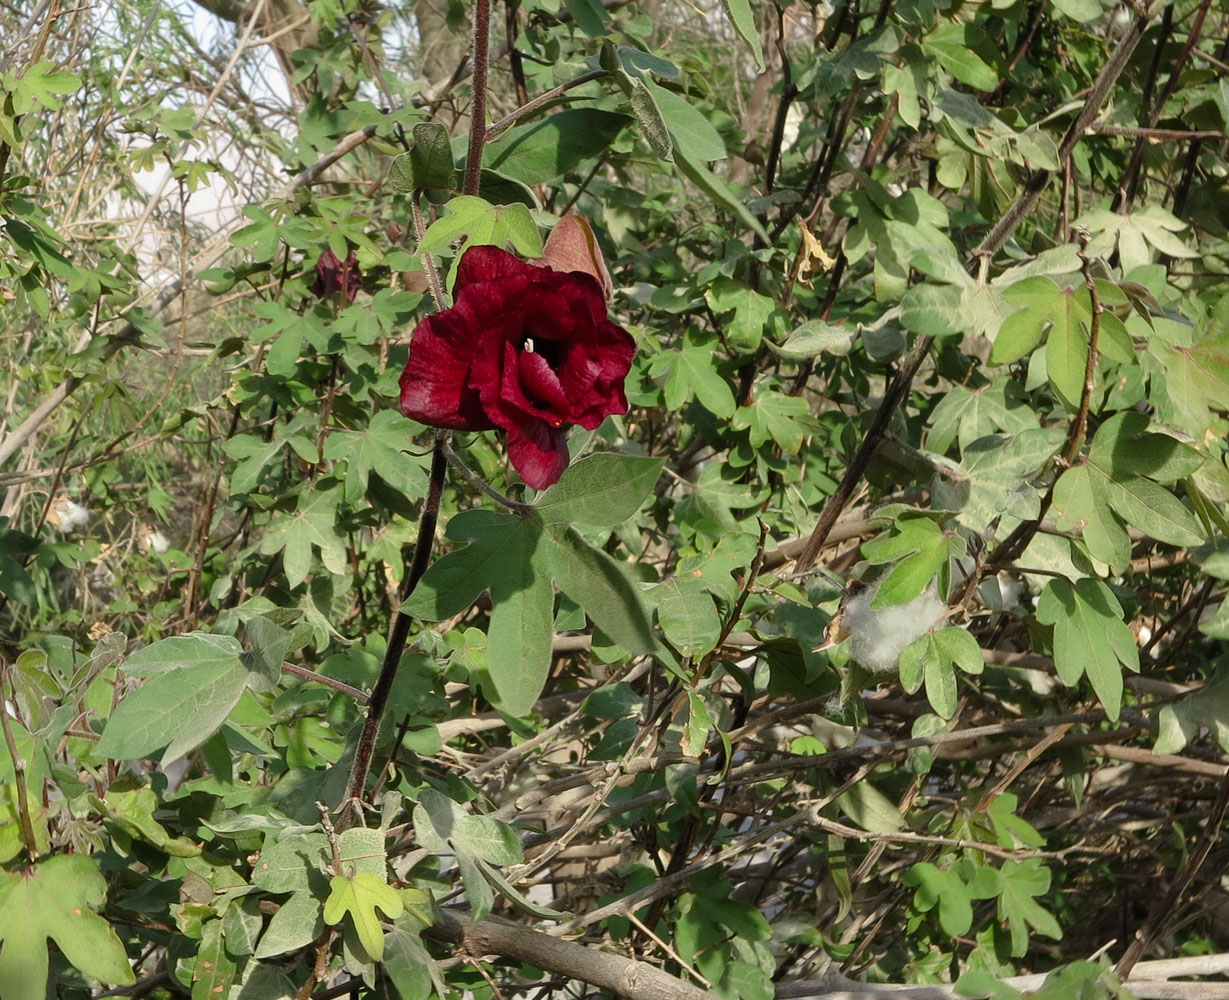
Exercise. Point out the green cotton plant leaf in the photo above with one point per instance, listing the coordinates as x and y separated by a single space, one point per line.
743 18
214 970
408 964
813 338
774 416
543 152
476 222
590 16
1124 447
603 490
959 646
699 725
870 809
965 414
295 925
430 157
999 470
1110 488
194 651
522 623
961 49
312 524
1082 504
454 581
57 899
944 890
649 118
720 192
1193 383
382 447
178 710
132 808
1090 638
1060 316
363 896
923 663
1010 830
692 374
919 547
687 615
752 312
1204 709
691 131
1023 882
1136 236
40 84
602 587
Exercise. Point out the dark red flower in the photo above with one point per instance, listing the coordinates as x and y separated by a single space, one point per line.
334 278
525 349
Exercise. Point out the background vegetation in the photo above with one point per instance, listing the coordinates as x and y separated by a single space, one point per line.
933 335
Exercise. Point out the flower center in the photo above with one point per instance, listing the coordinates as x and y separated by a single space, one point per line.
548 349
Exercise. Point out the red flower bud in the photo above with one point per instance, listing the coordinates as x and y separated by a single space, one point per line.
335 278
526 349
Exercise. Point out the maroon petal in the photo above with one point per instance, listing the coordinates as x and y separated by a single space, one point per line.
539 453
435 386
540 383
490 264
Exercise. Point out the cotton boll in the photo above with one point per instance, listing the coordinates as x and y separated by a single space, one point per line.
878 637
151 539
64 515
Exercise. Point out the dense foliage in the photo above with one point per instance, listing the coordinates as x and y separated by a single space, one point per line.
880 641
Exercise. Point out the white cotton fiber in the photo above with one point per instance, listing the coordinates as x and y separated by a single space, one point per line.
878 637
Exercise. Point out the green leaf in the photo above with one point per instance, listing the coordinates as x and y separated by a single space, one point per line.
960 648
919 547
692 373
132 808
56 899
813 338
1090 637
751 313
478 223
194 651
649 117
999 470
313 523
453 582
774 416
1195 381
381 447
947 891
603 489
214 969
1023 882
361 896
590 16
687 615
431 164
407 962
720 192
870 809
522 622
41 84
691 131
602 587
178 709
545 151
741 16
1080 10
958 48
